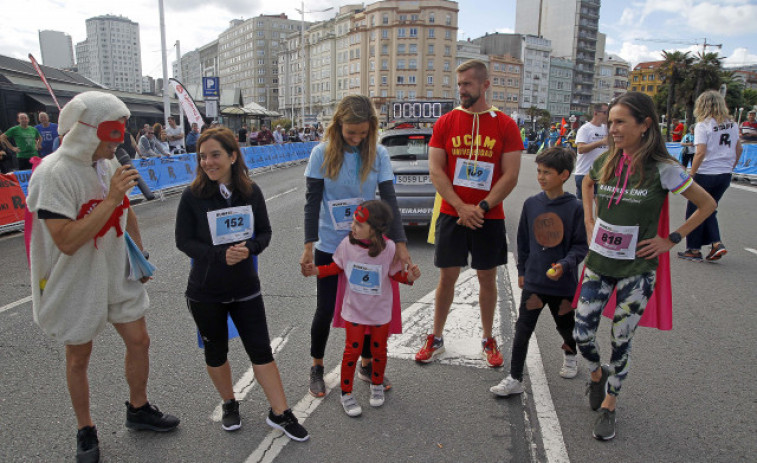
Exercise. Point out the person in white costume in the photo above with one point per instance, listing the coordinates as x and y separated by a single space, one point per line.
79 263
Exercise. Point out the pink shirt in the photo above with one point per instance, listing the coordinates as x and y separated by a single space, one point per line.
368 295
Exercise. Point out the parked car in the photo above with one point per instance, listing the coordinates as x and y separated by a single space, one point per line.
408 151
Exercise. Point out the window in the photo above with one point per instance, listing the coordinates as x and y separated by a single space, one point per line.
384 33
445 80
384 64
412 64
383 94
651 77
446 66
401 48
411 79
373 65
430 64
431 18
413 49
430 94
400 64
385 49
448 34
431 33
431 49
385 19
401 32
384 80
413 32
430 80
403 17
400 79
373 81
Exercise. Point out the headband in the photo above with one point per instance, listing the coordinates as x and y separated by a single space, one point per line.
361 214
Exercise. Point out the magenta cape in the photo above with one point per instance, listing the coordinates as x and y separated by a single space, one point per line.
659 311
395 326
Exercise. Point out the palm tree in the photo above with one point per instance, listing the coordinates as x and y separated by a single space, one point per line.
673 71
705 74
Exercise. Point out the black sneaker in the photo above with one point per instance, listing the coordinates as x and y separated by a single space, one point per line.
366 372
87 445
317 385
288 424
149 417
231 420
598 390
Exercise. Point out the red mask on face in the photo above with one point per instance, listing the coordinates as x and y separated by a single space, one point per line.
109 131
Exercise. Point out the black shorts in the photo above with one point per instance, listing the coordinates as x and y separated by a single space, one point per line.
487 245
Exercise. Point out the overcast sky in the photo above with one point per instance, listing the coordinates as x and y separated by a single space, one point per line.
636 30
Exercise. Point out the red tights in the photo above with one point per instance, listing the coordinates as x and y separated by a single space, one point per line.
353 346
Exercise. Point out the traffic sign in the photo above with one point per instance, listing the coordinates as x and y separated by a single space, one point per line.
211 87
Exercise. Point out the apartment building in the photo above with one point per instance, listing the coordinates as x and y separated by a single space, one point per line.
645 78
610 78
505 76
56 49
111 54
248 57
560 88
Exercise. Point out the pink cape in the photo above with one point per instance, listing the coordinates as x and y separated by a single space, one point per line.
29 217
659 311
395 325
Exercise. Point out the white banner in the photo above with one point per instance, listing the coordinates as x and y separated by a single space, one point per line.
187 103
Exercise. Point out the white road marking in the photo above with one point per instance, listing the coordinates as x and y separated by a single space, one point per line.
462 332
15 304
247 381
753 251
744 187
552 438
281 194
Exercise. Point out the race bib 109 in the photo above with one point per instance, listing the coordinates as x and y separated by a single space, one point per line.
473 174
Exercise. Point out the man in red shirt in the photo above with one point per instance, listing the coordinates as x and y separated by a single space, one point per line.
749 128
474 160
678 130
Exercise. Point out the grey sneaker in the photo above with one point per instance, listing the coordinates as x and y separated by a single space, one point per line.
231 420
317 385
597 391
350 405
507 387
604 427
87 445
365 373
569 366
377 395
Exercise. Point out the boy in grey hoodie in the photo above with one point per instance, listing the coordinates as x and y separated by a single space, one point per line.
551 245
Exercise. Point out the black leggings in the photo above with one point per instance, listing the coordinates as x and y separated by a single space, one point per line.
324 311
248 317
526 324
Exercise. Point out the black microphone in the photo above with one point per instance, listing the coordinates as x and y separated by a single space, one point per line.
125 160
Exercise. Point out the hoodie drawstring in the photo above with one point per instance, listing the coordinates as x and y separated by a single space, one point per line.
625 159
474 133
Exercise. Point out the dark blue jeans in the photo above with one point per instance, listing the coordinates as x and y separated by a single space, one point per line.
709 231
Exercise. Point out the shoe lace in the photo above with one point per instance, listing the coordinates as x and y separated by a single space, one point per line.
88 439
289 418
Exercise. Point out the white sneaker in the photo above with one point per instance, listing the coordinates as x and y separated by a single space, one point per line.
507 387
350 405
569 366
377 395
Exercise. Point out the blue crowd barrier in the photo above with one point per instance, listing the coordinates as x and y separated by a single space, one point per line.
177 170
747 164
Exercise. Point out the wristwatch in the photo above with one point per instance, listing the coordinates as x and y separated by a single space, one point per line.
484 206
675 237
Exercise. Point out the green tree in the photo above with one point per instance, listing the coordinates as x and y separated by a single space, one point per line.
750 98
673 72
705 75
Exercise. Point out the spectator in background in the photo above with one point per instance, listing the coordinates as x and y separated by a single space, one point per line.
160 137
175 136
48 131
192 137
149 147
26 138
678 130
591 141
749 128
8 162
265 137
242 135
687 147
277 136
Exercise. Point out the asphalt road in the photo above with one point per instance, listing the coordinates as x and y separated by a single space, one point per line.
688 397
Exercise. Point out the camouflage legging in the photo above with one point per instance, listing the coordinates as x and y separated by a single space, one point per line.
632 296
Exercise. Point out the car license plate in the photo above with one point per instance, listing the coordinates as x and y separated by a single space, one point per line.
413 180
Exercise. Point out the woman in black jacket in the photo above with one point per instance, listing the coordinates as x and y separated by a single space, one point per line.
221 224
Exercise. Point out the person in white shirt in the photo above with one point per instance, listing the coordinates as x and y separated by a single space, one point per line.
718 149
591 141
175 137
278 138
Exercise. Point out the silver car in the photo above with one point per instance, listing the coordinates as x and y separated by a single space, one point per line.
408 151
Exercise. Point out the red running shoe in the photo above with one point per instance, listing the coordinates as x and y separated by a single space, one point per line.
491 353
431 348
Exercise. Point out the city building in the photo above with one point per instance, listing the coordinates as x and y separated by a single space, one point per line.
505 77
610 78
148 85
247 57
534 54
560 83
56 49
748 78
645 78
111 54
198 63
572 26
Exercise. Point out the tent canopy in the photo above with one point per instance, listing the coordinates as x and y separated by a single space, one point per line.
250 109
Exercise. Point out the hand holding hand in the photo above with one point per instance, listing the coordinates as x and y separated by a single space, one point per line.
470 216
310 270
413 273
307 258
236 254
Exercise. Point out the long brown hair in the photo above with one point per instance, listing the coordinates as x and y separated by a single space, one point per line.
202 186
379 218
353 109
652 146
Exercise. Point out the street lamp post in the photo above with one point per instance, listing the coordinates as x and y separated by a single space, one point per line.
302 12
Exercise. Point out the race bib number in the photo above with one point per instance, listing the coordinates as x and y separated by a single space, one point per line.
231 225
473 174
341 212
365 279
614 241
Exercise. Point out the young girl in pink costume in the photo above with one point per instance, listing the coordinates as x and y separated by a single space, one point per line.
364 260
